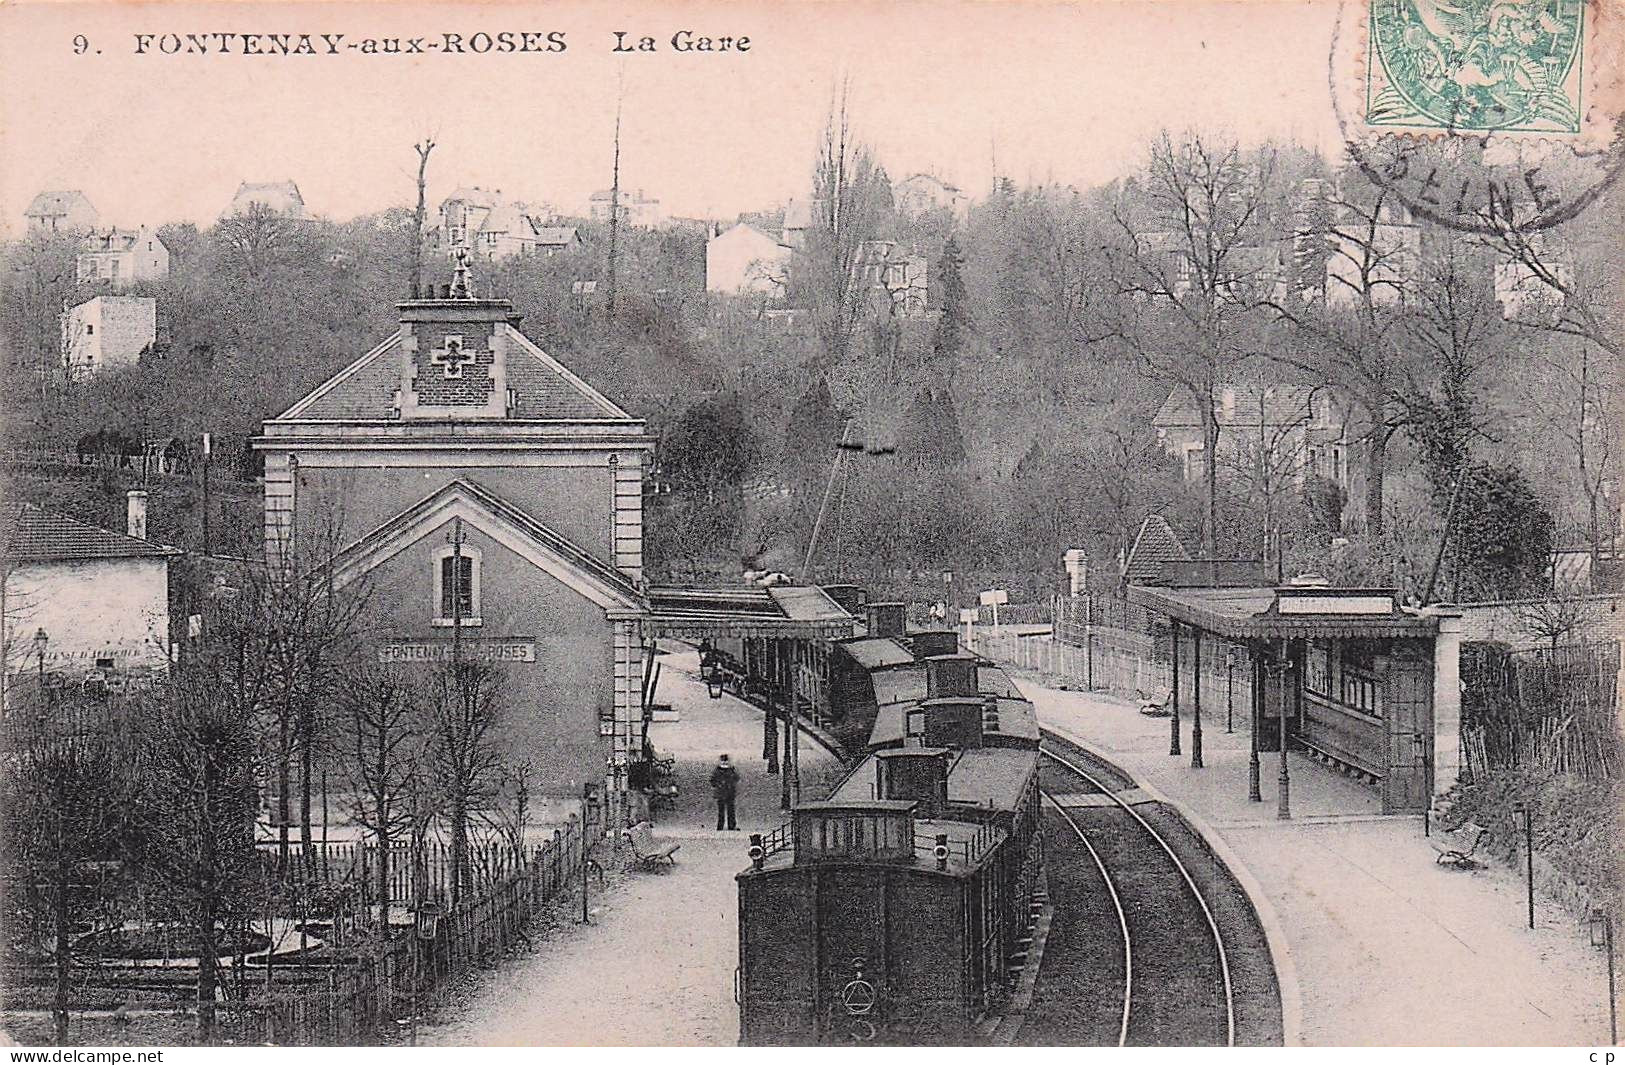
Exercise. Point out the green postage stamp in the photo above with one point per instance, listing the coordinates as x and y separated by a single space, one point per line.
1491 65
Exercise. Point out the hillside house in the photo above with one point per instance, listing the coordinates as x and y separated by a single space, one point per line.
925 192
495 228
106 332
279 197
1389 248
634 207
1298 431
118 257
896 282
744 260
65 211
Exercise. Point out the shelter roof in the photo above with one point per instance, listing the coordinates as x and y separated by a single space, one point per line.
785 611
1287 612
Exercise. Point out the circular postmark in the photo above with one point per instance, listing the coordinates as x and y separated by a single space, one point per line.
1477 115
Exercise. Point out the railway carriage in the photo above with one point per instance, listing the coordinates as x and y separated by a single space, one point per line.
891 912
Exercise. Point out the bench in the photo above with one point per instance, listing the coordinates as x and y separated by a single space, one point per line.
648 852
1447 852
1155 706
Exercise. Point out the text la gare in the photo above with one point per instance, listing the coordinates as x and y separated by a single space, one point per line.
681 41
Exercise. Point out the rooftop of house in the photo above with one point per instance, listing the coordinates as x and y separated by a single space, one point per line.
56 203
31 534
280 196
919 179
556 236
746 229
799 214
1153 545
474 196
625 196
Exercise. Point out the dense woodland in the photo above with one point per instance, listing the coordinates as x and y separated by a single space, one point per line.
1011 422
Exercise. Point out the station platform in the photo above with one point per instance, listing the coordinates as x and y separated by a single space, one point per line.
656 965
1377 945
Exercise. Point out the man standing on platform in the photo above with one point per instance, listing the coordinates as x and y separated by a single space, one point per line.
724 785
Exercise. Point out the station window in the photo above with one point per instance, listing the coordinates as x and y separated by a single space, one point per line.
466 588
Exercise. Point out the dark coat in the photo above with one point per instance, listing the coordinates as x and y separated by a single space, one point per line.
724 781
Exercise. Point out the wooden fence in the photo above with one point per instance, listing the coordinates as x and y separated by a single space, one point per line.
351 980
1550 709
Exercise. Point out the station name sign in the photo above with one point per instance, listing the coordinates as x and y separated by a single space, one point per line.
473 650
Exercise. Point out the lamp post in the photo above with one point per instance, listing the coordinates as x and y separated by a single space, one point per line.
1255 792
586 803
1602 937
1521 812
1196 698
41 641
1283 809
1419 747
1173 720
1230 691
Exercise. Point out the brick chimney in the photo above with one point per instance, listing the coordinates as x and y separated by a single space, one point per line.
135 513
455 348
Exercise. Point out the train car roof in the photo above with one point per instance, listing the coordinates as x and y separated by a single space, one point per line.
876 652
901 684
981 776
991 776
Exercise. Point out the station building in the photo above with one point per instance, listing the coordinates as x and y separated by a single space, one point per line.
456 442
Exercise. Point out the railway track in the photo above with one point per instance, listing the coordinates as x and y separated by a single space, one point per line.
1152 942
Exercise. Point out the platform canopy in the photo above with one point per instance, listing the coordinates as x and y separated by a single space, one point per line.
1290 612
785 612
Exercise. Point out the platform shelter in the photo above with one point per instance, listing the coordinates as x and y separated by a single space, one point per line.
775 642
1345 675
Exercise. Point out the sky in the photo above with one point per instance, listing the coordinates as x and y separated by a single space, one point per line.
1069 93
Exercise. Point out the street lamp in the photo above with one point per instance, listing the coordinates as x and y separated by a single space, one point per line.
1602 937
1522 813
1419 747
41 641
1230 691
1255 792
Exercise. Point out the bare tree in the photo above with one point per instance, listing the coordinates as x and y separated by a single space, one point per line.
255 237
1193 258
466 702
196 841
420 215
384 732
1371 254
851 199
67 794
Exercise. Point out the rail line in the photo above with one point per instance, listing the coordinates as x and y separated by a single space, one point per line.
1185 875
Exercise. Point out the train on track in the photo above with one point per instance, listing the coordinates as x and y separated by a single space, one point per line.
898 909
